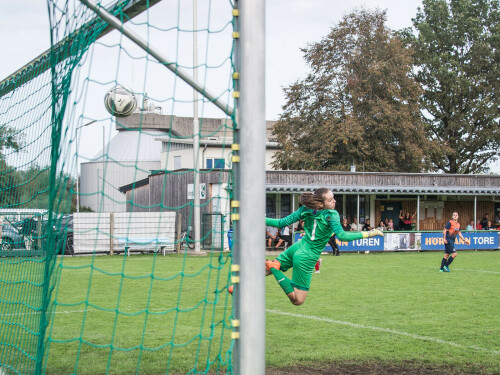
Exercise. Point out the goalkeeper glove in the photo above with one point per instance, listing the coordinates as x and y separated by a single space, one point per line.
373 233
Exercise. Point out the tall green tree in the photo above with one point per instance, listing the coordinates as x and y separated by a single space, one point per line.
9 183
457 56
9 140
358 104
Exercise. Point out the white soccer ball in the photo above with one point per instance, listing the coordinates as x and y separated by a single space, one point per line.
120 102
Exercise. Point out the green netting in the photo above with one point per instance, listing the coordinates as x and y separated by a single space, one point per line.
115 195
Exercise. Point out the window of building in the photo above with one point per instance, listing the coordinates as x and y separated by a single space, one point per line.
271 206
177 162
351 208
286 205
213 163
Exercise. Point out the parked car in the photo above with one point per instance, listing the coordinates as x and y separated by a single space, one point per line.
63 234
11 238
62 227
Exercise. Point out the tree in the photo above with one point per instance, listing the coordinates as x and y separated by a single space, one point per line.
9 139
9 183
8 178
359 103
458 65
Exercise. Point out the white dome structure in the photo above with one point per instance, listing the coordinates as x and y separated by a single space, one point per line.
130 156
135 152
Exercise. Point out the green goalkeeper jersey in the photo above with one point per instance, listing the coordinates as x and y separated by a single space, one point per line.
319 225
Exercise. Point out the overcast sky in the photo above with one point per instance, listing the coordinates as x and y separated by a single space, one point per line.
290 26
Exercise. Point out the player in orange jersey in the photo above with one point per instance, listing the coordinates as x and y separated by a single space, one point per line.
450 232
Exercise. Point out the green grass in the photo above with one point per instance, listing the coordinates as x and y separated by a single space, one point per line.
140 314
392 307
153 314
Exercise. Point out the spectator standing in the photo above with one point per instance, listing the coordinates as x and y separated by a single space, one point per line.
401 224
484 222
407 220
450 232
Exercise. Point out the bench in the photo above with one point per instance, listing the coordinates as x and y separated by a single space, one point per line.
158 244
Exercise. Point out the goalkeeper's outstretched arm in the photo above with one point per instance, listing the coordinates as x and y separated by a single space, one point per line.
350 236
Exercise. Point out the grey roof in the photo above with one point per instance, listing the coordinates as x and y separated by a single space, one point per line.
384 183
133 145
183 126
416 190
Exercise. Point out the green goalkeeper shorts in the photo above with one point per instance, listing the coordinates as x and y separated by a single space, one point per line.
302 260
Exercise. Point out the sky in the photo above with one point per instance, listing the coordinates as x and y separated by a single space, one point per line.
290 26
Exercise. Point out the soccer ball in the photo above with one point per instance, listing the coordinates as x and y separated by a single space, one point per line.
120 102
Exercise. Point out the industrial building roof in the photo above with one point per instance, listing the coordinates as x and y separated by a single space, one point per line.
133 145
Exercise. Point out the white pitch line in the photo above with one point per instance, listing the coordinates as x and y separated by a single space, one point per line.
483 271
469 270
386 330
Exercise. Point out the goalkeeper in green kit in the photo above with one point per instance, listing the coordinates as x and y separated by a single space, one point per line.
320 221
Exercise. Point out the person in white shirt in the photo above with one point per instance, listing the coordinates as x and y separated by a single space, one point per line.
355 226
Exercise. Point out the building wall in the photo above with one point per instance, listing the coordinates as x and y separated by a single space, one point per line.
138 200
169 192
103 196
186 154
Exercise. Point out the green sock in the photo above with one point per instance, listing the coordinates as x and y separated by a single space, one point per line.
283 281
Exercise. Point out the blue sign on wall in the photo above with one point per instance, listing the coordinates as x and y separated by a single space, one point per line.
478 240
365 244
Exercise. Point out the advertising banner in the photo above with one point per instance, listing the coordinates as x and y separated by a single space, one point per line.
478 240
395 241
403 241
365 244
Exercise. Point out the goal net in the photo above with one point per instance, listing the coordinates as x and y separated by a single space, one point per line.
117 146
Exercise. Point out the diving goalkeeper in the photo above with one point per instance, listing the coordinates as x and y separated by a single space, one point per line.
320 221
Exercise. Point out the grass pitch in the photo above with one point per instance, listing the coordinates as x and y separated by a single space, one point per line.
362 308
392 307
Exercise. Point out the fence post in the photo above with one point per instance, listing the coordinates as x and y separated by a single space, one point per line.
178 233
111 234
39 224
1 224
